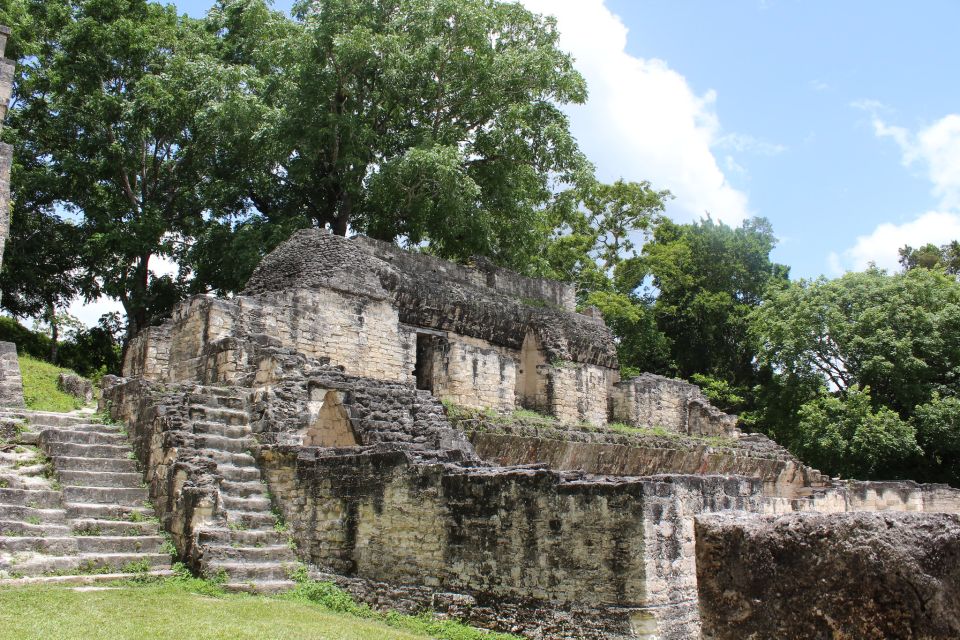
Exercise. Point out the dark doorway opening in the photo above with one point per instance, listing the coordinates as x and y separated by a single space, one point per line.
423 369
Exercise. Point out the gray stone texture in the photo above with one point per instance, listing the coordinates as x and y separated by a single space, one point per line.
11 383
850 575
76 386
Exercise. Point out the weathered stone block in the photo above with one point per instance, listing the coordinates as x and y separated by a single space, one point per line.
75 386
849 575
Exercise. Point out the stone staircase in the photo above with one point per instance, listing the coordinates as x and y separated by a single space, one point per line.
249 546
72 504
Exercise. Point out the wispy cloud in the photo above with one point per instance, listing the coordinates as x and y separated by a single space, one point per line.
934 149
745 143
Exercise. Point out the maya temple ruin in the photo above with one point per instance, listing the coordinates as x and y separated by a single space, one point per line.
456 439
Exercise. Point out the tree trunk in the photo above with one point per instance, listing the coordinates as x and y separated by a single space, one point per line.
54 332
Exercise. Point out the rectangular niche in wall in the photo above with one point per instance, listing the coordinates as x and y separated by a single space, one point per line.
423 369
531 388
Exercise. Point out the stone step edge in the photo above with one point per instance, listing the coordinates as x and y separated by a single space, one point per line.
82 579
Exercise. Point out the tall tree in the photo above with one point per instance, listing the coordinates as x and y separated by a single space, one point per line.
706 277
437 123
117 104
930 256
890 341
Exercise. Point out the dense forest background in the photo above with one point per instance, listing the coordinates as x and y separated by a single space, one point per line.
436 124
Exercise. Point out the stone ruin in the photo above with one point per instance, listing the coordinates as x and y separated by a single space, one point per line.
433 437
458 439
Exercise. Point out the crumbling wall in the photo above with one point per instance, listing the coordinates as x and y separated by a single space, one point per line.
620 551
11 382
675 405
855 575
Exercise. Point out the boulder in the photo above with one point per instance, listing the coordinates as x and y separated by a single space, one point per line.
75 386
848 576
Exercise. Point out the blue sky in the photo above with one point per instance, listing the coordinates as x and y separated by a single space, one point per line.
837 121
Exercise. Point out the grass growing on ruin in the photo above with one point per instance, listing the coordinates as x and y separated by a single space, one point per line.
187 607
40 386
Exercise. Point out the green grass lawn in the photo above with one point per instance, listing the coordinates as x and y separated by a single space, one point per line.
187 608
40 386
166 611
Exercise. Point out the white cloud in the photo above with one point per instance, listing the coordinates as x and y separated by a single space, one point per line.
936 149
882 245
642 120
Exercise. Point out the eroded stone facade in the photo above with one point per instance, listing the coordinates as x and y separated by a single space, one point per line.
325 380
11 387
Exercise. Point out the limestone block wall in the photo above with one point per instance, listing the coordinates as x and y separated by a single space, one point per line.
623 550
675 405
474 373
578 392
359 333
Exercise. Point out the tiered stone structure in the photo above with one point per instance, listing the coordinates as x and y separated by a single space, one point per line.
356 410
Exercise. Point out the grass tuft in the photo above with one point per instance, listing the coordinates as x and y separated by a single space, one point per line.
40 391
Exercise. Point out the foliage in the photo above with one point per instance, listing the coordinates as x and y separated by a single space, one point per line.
702 280
40 386
434 122
114 121
897 334
889 341
845 435
937 424
90 352
930 256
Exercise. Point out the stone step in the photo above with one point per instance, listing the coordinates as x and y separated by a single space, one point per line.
243 489
74 450
83 436
83 511
43 530
218 429
98 527
46 418
94 426
251 519
258 503
219 414
223 457
101 479
112 465
81 579
220 443
23 513
201 399
249 571
227 553
120 544
95 561
36 498
261 586
233 473
223 536
105 495
57 546
38 564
